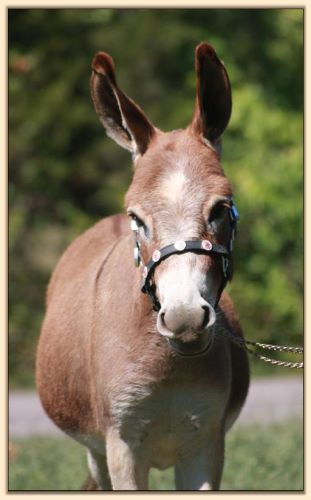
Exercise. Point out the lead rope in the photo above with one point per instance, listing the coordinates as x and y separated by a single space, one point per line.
244 344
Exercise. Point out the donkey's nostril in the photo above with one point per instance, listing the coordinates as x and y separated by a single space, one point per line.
206 317
161 326
162 317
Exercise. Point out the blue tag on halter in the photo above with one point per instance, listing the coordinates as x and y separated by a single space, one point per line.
234 214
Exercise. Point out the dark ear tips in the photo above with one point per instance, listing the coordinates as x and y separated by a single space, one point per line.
123 120
203 53
203 50
103 64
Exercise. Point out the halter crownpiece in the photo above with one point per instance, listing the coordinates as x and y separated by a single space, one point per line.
180 247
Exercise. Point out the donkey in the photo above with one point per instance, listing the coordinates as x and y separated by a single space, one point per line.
131 361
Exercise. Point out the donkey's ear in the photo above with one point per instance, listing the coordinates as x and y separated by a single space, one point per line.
123 120
213 100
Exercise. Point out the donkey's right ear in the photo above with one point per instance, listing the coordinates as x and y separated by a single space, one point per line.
213 100
123 120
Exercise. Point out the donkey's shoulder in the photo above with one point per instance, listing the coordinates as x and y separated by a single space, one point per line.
86 252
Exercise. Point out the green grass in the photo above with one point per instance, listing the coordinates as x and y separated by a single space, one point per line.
257 459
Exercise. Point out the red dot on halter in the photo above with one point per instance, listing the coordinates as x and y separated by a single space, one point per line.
207 245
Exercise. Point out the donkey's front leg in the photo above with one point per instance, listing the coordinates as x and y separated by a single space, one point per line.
99 471
127 471
202 468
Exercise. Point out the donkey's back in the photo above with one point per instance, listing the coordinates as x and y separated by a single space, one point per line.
148 379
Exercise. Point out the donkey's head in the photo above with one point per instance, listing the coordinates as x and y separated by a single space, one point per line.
180 200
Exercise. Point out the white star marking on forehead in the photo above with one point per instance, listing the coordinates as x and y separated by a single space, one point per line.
172 186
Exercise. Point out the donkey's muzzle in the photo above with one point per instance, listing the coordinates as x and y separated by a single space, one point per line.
187 330
181 320
185 323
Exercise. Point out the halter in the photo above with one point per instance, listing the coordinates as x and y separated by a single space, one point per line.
181 247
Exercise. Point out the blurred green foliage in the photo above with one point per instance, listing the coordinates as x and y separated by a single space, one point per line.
64 174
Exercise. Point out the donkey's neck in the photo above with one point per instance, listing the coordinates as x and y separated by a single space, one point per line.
125 279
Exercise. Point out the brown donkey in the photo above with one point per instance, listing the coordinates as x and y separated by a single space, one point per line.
147 379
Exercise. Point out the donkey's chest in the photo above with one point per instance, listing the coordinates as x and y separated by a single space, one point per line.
167 422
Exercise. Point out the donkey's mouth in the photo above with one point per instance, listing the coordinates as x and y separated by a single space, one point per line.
190 348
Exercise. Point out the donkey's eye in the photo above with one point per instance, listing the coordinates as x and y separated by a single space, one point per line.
216 216
137 220
140 225
217 212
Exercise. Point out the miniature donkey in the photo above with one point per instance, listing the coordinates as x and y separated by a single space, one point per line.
131 360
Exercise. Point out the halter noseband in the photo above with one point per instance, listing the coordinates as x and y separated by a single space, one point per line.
180 247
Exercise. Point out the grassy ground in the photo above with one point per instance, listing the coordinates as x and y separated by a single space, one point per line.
257 458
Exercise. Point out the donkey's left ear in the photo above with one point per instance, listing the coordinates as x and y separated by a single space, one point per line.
213 100
123 120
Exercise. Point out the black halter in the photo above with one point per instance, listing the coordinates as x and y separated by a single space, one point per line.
180 247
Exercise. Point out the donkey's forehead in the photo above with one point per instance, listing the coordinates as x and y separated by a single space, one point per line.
178 166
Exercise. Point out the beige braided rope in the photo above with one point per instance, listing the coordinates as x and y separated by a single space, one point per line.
243 343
